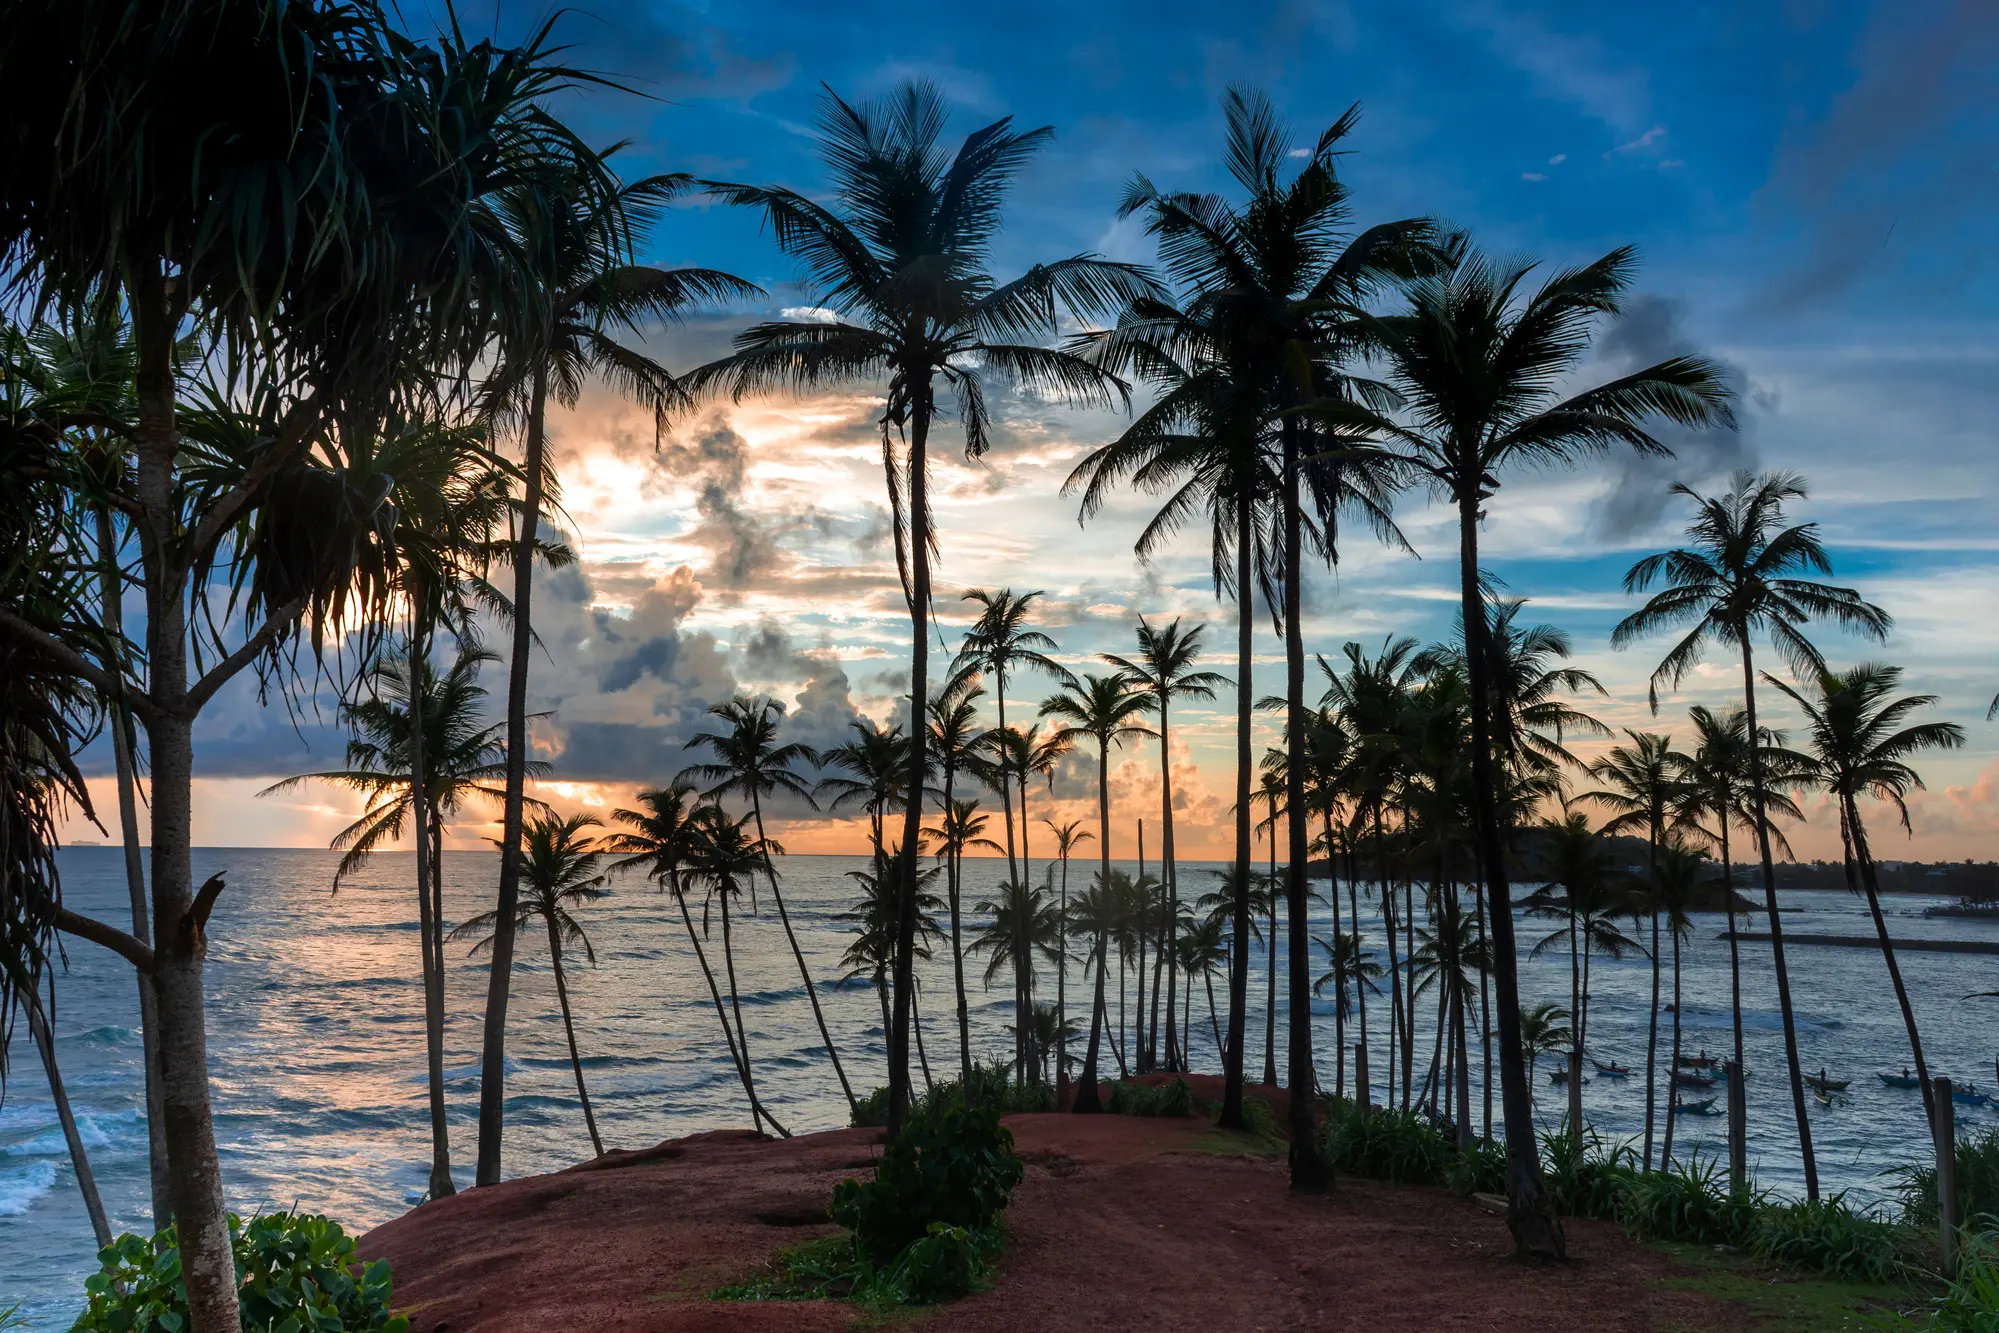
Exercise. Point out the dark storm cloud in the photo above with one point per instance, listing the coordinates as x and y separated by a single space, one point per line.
1902 157
1650 331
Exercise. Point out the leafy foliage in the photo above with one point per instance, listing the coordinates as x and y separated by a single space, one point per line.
1385 1144
1833 1237
1480 1171
950 1164
1969 1305
993 1087
1586 1178
1977 1185
1689 1201
296 1273
1172 1099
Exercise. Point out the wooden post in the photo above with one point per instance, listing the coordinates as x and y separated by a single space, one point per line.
1576 1094
1738 1128
1946 1148
1363 1093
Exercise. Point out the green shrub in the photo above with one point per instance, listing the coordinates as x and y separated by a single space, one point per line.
1385 1144
295 1272
1480 1171
1174 1099
1585 1178
1689 1201
949 1165
1257 1117
1977 1185
993 1086
1833 1237
946 1262
1970 1305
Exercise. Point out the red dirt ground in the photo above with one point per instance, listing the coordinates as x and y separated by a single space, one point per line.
1121 1223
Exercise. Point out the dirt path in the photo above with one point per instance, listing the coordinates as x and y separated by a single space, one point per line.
1121 1223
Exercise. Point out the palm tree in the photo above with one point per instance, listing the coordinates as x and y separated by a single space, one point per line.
1742 574
1068 837
1475 367
579 241
1641 790
1678 876
1543 1030
872 954
459 759
870 772
1203 946
1000 642
559 867
722 856
963 827
1858 743
1273 790
1350 969
1102 708
750 763
661 837
1164 668
1714 798
902 266
1025 924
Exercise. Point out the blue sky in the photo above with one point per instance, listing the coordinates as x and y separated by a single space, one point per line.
1810 186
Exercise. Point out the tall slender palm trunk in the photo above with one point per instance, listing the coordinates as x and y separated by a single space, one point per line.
1062 990
569 1031
79 1157
499 983
1672 1102
798 956
1169 912
1529 1215
1858 835
954 867
430 931
1270 967
1087 1100
1796 1070
1652 1030
919 736
1232 1049
112 611
757 1113
736 1001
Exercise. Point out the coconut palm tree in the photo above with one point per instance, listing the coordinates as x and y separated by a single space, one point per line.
1544 1029
723 857
962 828
901 262
1203 945
1104 709
1714 798
871 956
998 643
1641 790
1475 364
1679 875
660 837
1858 742
1350 969
559 870
1068 837
1744 574
1164 668
749 762
1025 925
871 773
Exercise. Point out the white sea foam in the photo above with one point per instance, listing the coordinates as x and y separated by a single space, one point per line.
20 1188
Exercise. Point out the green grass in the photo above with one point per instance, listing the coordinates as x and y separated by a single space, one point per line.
1783 1300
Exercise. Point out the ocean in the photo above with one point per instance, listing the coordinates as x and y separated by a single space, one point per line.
317 1052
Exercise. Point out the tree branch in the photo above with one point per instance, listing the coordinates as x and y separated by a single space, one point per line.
73 662
277 623
127 946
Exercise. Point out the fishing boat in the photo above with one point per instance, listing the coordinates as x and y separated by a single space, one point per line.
1560 1077
1968 1096
1822 1097
1705 1106
1820 1083
1681 1078
1611 1070
1900 1080
1701 1061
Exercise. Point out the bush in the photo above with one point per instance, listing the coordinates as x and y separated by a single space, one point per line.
1385 1144
1835 1238
1689 1202
295 1272
1971 1305
1584 1177
949 1165
1174 1098
993 1086
1480 1171
1977 1185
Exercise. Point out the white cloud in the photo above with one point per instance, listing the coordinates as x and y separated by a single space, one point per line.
1644 141
1532 176
1558 159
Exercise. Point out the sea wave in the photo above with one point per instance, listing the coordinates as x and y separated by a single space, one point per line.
19 1189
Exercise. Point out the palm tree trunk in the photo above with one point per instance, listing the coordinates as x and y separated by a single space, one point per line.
1270 968
1232 1050
919 737
736 1002
1464 1073
208 1263
1672 1102
1087 1100
499 983
1576 964
1062 989
798 956
1652 1031
1396 1017
1118 1038
1221 1047
922 1056
721 1014
112 612
1409 952
1169 912
1360 985
430 934
1734 946
1807 1157
954 872
1865 858
569 1030
1529 1216
1026 945
79 1158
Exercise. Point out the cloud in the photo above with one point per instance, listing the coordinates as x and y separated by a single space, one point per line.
1639 487
1643 142
1558 159
1532 176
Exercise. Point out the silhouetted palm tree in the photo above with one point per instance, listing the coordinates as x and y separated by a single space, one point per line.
954 734
1742 574
1543 1029
559 872
1000 643
902 267
1068 837
1476 367
871 773
1678 875
723 857
962 827
1350 969
1856 744
1102 708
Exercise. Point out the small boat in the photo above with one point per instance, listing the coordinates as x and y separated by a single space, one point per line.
1819 1084
1705 1106
1683 1079
1702 1061
1560 1077
1722 1073
1611 1070
1968 1096
1821 1096
1900 1080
